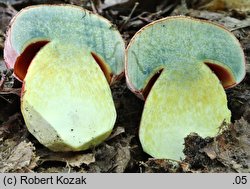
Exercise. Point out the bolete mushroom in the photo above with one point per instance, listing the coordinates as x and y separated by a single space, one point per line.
180 65
66 57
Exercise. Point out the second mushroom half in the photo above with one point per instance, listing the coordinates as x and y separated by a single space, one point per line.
180 65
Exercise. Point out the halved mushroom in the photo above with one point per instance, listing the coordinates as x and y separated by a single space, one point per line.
167 63
67 57
35 26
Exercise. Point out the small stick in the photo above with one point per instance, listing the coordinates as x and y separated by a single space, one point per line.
129 17
94 9
6 99
2 81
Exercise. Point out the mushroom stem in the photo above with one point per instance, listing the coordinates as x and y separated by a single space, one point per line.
194 93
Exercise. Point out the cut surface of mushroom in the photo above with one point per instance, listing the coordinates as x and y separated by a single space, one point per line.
183 100
67 23
182 39
180 65
66 100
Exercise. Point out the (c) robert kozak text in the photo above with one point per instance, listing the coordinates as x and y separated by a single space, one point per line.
52 180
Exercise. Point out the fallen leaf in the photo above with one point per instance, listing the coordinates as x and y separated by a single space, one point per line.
210 152
60 169
232 147
229 22
161 166
117 131
112 157
12 126
243 5
105 159
122 158
110 3
77 161
2 64
20 158
248 66
6 13
73 159
243 129
14 2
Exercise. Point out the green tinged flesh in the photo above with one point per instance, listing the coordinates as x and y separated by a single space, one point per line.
66 101
187 98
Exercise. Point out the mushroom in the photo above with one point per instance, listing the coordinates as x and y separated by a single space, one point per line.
179 65
66 57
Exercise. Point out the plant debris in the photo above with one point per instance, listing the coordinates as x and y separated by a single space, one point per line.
232 147
228 152
17 157
71 159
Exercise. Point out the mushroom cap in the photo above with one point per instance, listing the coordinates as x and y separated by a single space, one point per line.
68 106
182 39
68 23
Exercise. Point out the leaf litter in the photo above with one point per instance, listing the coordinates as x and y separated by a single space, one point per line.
122 152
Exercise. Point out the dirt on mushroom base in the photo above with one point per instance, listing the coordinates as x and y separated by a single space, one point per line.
122 151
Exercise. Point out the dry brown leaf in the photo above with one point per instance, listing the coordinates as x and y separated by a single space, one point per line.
243 5
12 126
222 18
210 152
1 44
57 169
110 3
112 157
14 2
6 13
122 158
232 147
161 166
78 160
248 67
104 156
244 141
2 64
20 158
70 158
117 131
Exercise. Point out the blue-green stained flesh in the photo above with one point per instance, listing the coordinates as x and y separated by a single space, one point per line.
181 39
69 24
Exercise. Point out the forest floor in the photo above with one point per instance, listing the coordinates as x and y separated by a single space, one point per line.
121 152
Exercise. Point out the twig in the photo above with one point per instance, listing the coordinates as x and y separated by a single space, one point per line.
138 16
11 10
7 91
5 99
129 16
239 27
2 81
94 9
149 17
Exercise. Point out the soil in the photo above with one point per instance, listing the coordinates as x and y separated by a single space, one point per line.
229 151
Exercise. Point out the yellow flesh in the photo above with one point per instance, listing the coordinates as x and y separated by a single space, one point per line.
67 103
184 99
